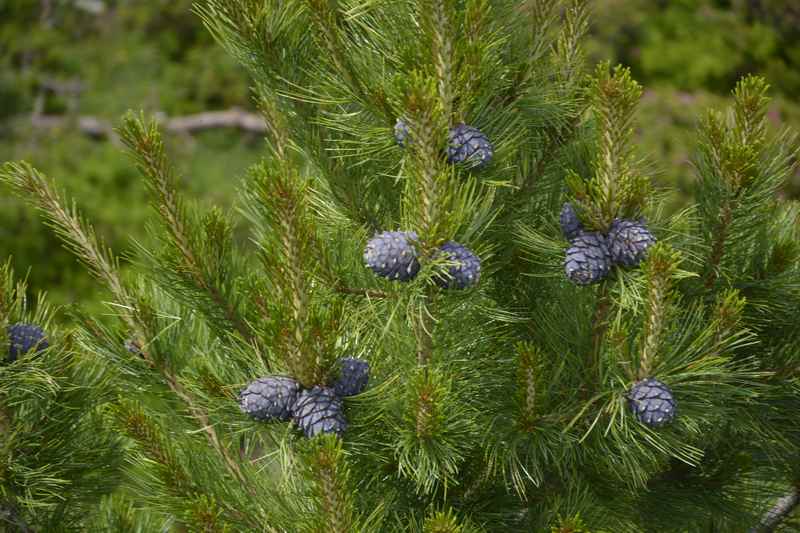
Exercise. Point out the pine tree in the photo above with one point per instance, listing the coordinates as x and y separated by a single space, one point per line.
514 404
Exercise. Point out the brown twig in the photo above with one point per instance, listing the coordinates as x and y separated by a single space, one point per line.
780 511
369 293
99 128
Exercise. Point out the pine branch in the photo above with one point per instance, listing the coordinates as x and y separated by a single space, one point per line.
779 512
142 431
660 267
148 436
211 434
423 329
425 190
616 189
327 471
528 359
145 144
289 251
326 18
600 325
369 293
718 247
568 50
78 236
434 13
733 150
557 137
81 239
727 315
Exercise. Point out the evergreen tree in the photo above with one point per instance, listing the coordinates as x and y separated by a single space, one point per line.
641 377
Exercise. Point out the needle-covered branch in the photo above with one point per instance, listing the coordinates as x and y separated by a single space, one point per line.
617 188
200 259
81 239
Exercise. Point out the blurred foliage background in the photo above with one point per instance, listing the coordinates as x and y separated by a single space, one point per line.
99 58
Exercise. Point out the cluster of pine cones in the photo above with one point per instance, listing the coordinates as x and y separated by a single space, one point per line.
392 255
591 254
316 410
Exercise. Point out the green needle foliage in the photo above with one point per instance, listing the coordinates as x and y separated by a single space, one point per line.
503 407
56 459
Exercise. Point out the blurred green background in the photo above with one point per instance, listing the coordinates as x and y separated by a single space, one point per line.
99 58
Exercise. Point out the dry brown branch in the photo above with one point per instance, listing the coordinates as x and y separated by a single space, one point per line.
782 509
99 128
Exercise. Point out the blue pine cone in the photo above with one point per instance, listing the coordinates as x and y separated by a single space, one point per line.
588 260
269 398
401 132
628 241
469 145
466 271
571 225
22 338
319 410
652 402
391 255
353 377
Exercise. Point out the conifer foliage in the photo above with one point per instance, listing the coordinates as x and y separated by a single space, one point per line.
649 382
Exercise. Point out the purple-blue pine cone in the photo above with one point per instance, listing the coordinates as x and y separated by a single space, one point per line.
391 255
588 260
401 132
269 398
628 241
22 338
466 270
353 377
319 410
469 145
571 225
652 402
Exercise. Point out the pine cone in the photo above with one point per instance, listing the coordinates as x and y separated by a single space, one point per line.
391 255
401 132
588 260
652 402
467 271
469 145
353 377
628 241
571 225
269 398
22 338
319 410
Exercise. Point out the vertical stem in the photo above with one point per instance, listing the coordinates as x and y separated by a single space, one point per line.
423 328
653 325
443 52
718 249
599 327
